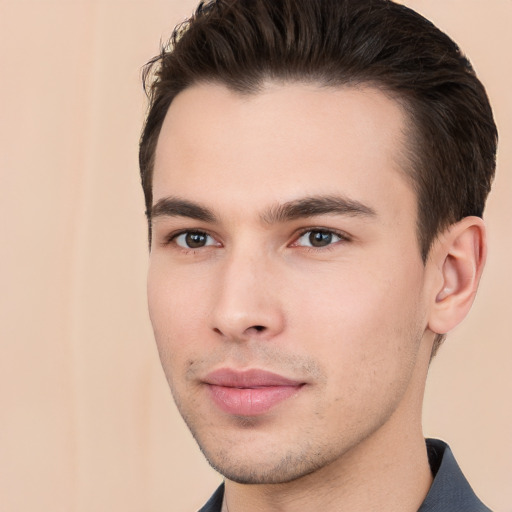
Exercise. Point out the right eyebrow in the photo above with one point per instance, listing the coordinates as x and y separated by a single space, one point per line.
174 207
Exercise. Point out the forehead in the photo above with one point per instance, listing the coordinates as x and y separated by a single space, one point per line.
282 142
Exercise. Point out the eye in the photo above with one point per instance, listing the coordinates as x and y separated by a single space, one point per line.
318 238
194 240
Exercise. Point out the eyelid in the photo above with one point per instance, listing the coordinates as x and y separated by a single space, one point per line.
343 236
171 238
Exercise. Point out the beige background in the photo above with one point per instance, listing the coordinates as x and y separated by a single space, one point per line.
86 420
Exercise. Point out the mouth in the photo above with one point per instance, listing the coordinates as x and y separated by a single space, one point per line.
249 392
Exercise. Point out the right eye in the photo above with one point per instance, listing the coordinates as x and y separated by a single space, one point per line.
194 240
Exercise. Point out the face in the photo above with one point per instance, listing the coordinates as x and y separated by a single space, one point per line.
286 288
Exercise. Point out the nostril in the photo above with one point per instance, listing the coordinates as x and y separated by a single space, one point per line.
259 328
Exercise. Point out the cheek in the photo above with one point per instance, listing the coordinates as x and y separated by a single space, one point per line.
176 313
361 320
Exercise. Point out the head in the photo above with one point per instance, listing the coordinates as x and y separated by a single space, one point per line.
366 56
451 135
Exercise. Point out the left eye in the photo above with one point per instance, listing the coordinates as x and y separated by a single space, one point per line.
317 238
194 240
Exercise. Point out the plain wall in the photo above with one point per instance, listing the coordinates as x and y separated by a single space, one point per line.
86 420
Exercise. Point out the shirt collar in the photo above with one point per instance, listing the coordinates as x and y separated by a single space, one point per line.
450 490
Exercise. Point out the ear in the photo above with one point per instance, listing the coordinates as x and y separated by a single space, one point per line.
458 257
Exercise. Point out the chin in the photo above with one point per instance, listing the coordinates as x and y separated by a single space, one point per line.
272 467
284 472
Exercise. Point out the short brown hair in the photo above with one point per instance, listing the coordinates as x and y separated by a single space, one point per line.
243 43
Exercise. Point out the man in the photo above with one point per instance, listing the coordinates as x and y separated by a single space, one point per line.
315 174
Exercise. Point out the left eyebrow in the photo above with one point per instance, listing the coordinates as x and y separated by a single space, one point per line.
317 205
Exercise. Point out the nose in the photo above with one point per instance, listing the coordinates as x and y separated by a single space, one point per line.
247 302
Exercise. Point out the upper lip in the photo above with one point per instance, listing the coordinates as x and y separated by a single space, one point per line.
253 378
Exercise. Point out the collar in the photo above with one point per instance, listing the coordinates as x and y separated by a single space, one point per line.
450 490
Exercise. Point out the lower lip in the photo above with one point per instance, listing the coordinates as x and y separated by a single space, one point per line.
250 401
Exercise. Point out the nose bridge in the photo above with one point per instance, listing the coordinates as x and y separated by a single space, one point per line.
246 303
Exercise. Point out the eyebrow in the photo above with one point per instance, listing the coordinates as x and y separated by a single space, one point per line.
175 207
317 205
292 210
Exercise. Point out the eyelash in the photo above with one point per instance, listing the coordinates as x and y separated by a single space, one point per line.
171 239
343 237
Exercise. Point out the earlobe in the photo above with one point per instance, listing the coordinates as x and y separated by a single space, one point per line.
459 258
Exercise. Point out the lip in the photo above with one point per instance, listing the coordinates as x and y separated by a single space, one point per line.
249 392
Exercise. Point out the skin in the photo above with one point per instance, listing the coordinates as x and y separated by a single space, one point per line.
353 320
